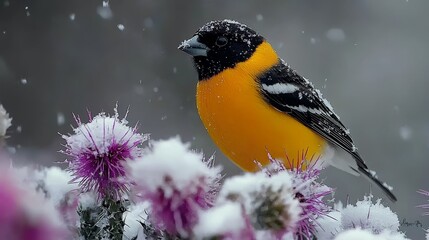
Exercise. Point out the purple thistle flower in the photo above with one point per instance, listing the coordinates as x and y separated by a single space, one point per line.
98 150
25 214
177 182
307 191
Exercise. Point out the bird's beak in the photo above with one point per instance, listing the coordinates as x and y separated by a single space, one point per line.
193 47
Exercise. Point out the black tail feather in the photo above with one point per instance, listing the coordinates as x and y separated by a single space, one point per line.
372 177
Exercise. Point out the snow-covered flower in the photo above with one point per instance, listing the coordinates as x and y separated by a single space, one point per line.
25 214
51 181
98 151
307 190
136 213
227 221
268 201
371 216
54 184
5 121
328 226
176 182
359 234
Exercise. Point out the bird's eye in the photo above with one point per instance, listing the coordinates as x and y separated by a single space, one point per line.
221 41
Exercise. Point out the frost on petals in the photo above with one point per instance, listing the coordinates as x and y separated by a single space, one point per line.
97 152
269 201
177 183
368 215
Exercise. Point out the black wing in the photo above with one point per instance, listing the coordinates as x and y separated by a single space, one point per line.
288 92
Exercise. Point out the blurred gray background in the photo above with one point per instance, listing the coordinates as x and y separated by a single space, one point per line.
369 58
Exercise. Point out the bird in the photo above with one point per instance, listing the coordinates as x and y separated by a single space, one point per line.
252 104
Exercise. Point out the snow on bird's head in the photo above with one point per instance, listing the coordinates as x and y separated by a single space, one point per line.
225 43
233 30
225 24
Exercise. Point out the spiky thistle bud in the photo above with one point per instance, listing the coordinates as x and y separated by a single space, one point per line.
98 151
310 193
268 201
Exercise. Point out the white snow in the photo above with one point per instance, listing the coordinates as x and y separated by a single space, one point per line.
121 27
173 160
98 134
326 102
60 118
336 35
5 121
327 227
185 44
233 22
359 234
56 183
72 16
259 17
279 88
24 81
104 11
225 218
136 213
31 202
302 108
27 12
87 200
405 133
372 216
252 187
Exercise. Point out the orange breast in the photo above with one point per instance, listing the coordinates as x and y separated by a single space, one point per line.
243 125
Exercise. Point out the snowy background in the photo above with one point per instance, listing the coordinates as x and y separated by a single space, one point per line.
369 58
